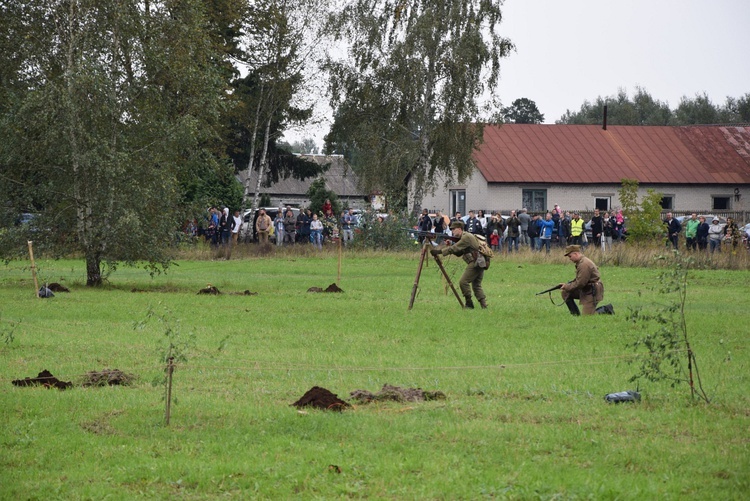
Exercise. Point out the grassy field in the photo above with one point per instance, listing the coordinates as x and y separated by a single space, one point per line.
524 416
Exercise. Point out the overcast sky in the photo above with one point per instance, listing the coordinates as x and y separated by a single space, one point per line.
569 51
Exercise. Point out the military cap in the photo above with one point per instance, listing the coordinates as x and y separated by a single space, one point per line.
457 224
572 248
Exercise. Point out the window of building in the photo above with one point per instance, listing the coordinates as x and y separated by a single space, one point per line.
458 202
667 202
534 200
602 203
721 203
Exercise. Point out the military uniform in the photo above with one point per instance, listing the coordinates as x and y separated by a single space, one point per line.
467 248
586 287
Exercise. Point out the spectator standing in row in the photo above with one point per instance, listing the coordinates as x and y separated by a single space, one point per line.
564 231
303 226
533 231
278 226
424 224
439 223
327 207
691 232
607 231
290 227
263 226
316 231
701 235
495 241
457 217
546 226
225 226
473 225
673 230
482 218
514 231
524 218
347 222
576 230
236 227
597 228
492 227
715 234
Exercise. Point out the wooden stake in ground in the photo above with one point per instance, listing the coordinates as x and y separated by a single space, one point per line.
168 410
33 269
341 244
419 273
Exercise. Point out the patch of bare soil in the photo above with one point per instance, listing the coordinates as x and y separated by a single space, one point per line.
244 293
108 377
331 288
56 287
320 398
209 289
396 394
44 378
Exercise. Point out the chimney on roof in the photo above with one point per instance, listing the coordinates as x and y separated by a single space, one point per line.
604 120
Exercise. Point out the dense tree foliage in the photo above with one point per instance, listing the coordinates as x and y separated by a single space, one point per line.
276 50
107 110
521 111
642 109
405 100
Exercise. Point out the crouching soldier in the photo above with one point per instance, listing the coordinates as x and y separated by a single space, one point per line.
467 247
586 286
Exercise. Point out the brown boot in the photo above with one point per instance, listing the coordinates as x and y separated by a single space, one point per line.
483 303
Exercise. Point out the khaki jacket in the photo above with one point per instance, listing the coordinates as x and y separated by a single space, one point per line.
465 247
587 276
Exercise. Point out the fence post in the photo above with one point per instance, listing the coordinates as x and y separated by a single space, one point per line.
170 370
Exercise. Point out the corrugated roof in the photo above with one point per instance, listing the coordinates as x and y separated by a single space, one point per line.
575 154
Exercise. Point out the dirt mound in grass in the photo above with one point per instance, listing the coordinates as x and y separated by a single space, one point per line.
396 394
44 378
55 287
108 377
331 288
320 398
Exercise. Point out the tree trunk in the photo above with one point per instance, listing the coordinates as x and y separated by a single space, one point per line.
93 270
250 162
262 166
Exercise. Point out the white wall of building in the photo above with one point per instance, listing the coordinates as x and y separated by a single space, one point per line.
504 197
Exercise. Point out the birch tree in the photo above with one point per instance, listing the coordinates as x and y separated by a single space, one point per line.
405 97
111 104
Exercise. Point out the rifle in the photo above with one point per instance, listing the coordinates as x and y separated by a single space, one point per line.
558 286
437 237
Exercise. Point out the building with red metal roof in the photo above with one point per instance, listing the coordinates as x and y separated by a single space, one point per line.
702 168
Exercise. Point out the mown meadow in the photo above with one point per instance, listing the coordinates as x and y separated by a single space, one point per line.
524 415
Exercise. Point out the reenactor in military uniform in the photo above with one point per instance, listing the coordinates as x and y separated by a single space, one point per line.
467 247
586 287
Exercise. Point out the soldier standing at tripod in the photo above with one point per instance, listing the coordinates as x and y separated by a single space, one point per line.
468 248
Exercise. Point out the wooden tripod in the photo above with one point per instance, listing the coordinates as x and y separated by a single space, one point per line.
422 256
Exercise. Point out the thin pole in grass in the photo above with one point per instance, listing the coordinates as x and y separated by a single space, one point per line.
170 370
33 269
419 273
341 245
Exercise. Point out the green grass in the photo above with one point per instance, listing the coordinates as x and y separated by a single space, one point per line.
524 415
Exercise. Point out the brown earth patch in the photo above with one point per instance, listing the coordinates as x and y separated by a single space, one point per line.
44 378
321 398
56 287
396 394
108 377
331 288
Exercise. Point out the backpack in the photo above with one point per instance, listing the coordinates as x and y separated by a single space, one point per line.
483 254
